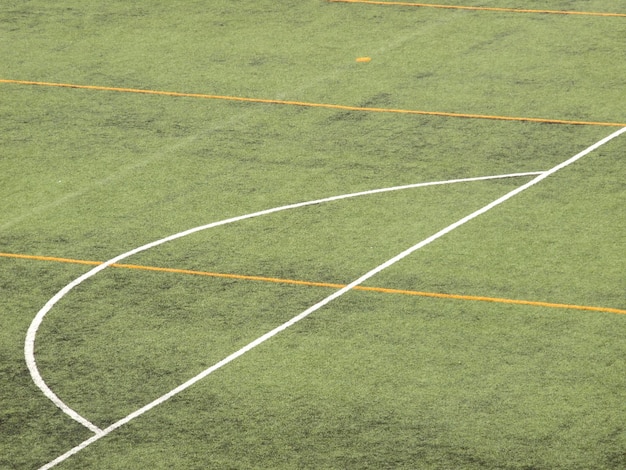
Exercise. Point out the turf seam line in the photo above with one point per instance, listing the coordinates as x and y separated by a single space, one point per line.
492 9
308 311
307 104
297 282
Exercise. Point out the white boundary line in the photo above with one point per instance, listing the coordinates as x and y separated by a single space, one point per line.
29 345
102 433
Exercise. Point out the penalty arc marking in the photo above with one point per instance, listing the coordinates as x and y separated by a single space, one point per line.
29 346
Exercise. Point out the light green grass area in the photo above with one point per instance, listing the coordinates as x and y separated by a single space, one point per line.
372 380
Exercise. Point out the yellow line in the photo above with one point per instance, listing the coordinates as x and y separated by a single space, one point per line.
314 105
321 284
463 7
49 258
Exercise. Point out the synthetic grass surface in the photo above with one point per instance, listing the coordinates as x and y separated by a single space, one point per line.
372 380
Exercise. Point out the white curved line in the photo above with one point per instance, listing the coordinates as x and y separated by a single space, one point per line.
29 346
541 176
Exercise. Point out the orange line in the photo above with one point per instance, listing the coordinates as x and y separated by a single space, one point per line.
462 7
322 284
230 276
314 105
493 299
49 258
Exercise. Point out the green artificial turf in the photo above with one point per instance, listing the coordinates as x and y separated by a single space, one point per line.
373 379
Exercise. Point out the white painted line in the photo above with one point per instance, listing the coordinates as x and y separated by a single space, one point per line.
330 298
29 345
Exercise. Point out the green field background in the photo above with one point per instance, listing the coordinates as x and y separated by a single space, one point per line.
373 380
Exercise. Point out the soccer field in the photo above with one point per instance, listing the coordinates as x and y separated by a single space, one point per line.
313 234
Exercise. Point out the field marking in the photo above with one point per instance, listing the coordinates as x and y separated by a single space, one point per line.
298 317
314 105
29 344
297 282
496 9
